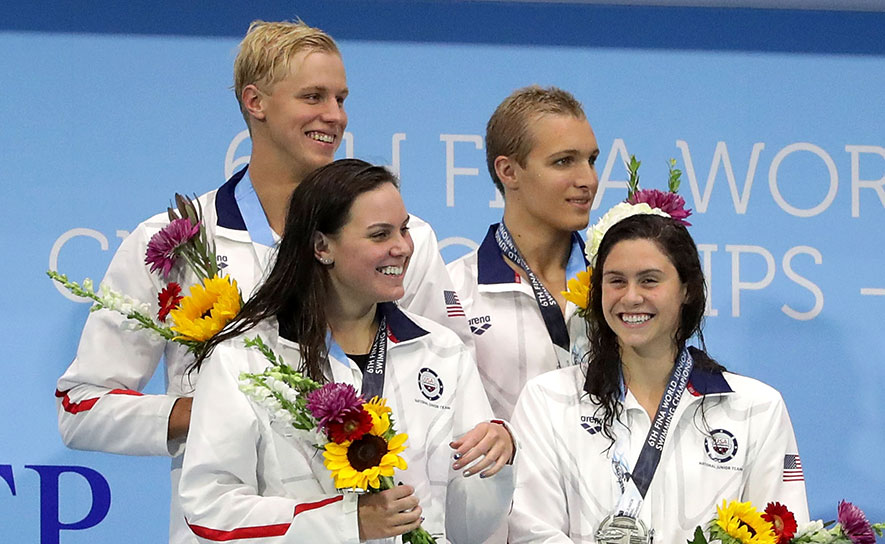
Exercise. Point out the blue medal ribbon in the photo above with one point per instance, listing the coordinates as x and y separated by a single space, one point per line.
373 377
553 319
253 213
634 486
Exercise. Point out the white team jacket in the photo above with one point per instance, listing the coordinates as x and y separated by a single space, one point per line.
244 478
100 406
566 485
512 343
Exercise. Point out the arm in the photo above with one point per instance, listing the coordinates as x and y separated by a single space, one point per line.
477 506
427 280
227 470
773 446
540 512
100 406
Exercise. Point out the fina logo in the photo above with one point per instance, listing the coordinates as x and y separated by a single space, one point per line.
430 384
721 446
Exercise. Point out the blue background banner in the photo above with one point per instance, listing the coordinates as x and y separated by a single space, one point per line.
775 116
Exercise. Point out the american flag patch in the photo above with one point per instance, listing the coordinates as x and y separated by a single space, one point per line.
793 468
453 305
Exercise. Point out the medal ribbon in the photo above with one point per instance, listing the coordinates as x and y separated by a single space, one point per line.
546 303
373 377
635 486
252 212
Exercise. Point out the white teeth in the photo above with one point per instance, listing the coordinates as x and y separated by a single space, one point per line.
391 270
320 137
635 319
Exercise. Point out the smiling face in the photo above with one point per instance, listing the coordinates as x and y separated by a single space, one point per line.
371 251
556 185
300 121
642 298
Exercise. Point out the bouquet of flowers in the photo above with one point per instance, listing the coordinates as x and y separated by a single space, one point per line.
740 523
358 439
638 201
212 302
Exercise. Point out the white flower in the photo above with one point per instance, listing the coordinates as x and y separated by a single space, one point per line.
87 284
618 213
809 528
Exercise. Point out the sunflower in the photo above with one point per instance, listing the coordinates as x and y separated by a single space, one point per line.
207 309
380 415
361 463
579 289
741 522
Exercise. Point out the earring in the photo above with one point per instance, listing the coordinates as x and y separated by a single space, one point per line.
326 261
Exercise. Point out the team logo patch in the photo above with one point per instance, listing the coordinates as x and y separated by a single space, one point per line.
479 325
591 424
430 384
721 446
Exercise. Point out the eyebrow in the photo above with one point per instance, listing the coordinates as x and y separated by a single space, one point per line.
321 88
640 273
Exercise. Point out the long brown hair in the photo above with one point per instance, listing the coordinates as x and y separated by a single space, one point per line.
603 378
295 289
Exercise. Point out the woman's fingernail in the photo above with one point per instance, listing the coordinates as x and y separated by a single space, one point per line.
457 456
466 473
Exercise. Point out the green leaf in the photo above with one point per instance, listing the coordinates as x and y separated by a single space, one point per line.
699 537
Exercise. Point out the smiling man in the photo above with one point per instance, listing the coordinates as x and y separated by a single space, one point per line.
291 85
541 155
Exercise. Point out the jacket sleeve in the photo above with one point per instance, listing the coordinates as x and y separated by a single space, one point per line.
100 406
475 507
427 282
222 479
540 513
775 472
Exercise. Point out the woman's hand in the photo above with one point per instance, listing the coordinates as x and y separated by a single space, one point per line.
492 441
388 513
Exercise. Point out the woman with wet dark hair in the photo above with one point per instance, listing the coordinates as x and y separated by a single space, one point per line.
646 438
327 309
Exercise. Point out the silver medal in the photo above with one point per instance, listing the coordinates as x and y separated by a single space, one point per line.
623 530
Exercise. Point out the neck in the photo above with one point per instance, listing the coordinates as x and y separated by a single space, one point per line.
647 375
545 249
352 328
274 181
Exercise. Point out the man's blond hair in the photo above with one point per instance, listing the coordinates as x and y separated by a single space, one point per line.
267 50
508 132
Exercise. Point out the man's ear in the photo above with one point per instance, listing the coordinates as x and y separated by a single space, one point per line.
507 168
253 102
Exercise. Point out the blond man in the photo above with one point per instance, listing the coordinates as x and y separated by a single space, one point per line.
291 85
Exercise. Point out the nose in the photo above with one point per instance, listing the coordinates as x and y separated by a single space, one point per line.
403 245
633 294
588 178
334 112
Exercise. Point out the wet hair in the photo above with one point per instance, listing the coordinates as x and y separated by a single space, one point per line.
602 382
266 52
508 132
295 290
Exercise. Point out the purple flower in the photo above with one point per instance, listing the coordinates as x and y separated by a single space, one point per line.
333 402
162 250
854 524
670 203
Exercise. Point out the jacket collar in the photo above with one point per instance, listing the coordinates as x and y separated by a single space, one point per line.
706 382
226 208
492 268
400 327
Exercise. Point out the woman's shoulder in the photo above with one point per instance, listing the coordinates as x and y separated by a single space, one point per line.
751 388
568 381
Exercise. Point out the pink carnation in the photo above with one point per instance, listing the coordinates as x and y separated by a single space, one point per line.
162 249
854 524
670 203
333 402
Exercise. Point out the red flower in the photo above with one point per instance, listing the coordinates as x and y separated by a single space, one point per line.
169 299
352 426
782 521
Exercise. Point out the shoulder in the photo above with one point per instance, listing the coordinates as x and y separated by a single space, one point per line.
437 335
562 382
752 390
464 270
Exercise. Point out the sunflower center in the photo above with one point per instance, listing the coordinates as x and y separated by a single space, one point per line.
366 452
742 523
